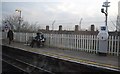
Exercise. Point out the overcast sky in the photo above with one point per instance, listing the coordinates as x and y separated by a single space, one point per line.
65 12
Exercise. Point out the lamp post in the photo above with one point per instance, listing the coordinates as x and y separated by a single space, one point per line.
105 4
19 18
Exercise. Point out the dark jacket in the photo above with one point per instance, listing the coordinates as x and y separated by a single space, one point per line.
42 36
10 34
37 37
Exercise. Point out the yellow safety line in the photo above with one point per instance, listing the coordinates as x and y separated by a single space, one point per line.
81 60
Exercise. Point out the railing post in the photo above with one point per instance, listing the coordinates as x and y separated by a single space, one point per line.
115 41
20 37
118 45
112 45
26 38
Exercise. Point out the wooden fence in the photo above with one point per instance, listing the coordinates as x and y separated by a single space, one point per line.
88 43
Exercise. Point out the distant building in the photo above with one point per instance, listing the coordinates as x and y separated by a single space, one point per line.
118 18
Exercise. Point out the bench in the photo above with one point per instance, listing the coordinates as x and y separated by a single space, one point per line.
29 40
39 43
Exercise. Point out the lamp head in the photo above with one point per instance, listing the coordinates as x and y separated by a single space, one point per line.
102 10
18 10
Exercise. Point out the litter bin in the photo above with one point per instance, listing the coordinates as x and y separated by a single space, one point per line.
103 40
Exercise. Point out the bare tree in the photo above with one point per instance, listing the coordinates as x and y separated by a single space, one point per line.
25 26
13 21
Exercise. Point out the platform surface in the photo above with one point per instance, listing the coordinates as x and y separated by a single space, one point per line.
109 61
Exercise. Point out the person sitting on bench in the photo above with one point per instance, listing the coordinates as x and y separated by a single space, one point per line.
42 38
36 40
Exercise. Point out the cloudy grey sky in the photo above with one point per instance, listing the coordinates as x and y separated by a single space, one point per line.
65 12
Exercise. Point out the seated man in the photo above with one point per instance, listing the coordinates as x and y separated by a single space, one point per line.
42 38
36 40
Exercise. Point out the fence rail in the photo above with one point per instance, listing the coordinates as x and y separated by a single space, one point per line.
88 43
